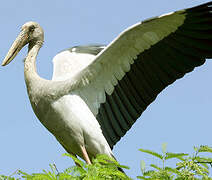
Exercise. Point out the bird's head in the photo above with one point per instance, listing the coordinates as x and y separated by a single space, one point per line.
31 33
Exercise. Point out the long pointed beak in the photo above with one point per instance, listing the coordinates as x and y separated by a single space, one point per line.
18 44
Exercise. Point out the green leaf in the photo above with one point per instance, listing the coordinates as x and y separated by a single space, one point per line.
173 170
149 173
205 149
175 155
164 148
143 166
196 148
123 166
76 160
2 177
156 167
203 159
152 153
23 173
141 177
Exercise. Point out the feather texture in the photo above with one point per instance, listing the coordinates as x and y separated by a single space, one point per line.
143 60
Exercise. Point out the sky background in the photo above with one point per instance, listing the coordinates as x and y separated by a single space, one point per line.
181 115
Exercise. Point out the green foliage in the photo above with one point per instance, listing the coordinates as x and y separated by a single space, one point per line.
103 167
152 153
188 167
2 177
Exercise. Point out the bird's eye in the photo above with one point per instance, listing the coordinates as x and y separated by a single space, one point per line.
31 28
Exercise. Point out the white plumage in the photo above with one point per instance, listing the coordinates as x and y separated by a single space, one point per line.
97 93
65 69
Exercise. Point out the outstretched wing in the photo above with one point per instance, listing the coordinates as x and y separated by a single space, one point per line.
131 71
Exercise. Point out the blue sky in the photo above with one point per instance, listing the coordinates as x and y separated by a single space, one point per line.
181 115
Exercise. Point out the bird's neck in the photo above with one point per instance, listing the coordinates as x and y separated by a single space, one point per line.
38 87
30 71
32 79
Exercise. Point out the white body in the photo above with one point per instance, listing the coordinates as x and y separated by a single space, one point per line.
69 117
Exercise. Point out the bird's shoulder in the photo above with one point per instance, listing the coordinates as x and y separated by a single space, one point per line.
71 61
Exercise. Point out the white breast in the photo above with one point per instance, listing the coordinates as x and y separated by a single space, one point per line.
70 120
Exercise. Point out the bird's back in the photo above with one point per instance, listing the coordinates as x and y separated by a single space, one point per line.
71 61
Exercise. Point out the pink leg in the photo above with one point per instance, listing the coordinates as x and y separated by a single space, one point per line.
85 155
